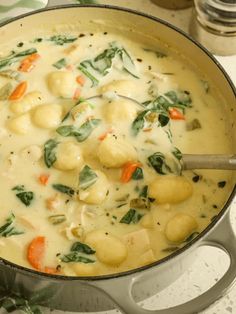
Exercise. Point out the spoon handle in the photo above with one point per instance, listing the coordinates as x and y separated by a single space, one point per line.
227 162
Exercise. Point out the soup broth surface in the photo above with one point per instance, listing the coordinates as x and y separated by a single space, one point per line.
94 185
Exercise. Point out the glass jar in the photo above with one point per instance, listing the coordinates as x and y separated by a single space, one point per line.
214 25
174 4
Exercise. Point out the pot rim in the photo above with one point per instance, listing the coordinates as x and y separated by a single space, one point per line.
218 217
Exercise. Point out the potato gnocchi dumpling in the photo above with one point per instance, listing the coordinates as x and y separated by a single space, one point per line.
25 104
20 124
180 227
118 111
109 249
47 116
96 193
114 152
69 156
62 84
170 189
120 87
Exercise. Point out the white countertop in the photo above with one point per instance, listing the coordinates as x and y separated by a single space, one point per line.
211 263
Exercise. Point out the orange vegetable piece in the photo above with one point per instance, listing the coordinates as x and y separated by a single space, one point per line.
80 80
128 169
77 93
27 64
176 114
35 252
50 270
18 91
104 135
43 179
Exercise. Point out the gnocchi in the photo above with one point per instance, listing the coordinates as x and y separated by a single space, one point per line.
121 87
47 116
69 156
118 111
62 84
170 189
25 104
114 152
109 249
20 124
180 227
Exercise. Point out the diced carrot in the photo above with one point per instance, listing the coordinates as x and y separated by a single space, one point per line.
43 179
128 169
27 64
18 91
80 80
104 135
176 114
50 270
147 130
35 252
77 94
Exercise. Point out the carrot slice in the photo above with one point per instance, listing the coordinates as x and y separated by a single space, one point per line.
128 169
27 64
80 80
18 91
104 135
43 179
35 252
176 114
77 94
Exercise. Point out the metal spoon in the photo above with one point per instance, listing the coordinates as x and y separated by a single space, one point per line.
192 161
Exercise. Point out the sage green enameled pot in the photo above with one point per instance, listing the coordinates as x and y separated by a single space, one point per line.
124 290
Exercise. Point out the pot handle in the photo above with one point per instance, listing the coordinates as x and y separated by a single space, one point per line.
223 237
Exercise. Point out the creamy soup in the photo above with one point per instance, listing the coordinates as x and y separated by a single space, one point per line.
94 185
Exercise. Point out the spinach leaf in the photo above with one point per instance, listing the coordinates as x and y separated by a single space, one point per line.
5 91
141 202
49 152
132 216
15 56
158 163
82 248
177 153
163 119
60 64
83 68
64 189
128 63
138 174
25 197
8 229
74 105
57 219
73 257
87 177
82 133
60 40
18 188
139 122
144 192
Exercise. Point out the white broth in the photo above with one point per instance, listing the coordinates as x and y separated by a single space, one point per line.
93 187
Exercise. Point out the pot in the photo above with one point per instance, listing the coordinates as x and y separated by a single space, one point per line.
124 290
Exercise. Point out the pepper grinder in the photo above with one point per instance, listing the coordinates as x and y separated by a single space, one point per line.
214 25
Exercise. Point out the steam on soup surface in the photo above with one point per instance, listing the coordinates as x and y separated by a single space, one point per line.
95 186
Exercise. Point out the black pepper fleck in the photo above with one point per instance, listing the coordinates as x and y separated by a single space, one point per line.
149 67
214 206
81 35
196 178
221 184
20 44
105 33
58 254
139 60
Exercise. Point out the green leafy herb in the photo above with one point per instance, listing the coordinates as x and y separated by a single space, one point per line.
144 192
177 153
141 202
74 257
64 189
5 91
139 122
57 219
132 216
158 163
15 56
83 68
82 248
82 133
163 119
138 174
8 229
87 177
60 40
49 152
18 188
60 64
26 197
